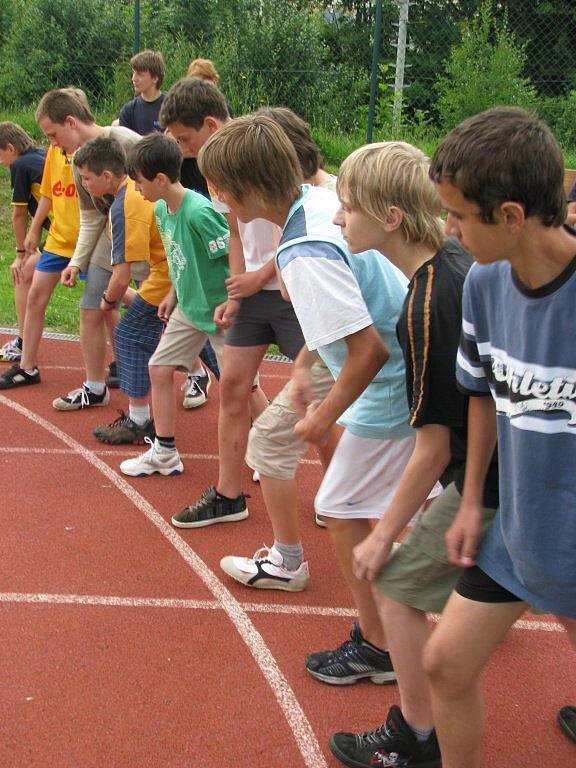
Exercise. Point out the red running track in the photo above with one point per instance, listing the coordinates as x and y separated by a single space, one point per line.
125 646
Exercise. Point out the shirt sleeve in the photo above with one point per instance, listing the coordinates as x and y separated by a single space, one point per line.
46 183
130 234
324 292
125 117
469 367
211 228
21 183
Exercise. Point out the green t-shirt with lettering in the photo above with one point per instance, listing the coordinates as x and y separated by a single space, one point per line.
196 239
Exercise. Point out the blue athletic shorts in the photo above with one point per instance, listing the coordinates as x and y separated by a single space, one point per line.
51 262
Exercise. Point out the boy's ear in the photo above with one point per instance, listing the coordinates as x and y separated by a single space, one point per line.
513 215
394 218
211 123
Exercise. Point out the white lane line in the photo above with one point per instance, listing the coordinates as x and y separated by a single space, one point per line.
121 453
284 377
302 730
214 605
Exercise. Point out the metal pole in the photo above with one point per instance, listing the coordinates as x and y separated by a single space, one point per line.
400 65
136 26
374 71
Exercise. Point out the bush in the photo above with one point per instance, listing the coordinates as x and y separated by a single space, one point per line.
484 70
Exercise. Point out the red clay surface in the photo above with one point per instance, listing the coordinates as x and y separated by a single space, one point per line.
125 646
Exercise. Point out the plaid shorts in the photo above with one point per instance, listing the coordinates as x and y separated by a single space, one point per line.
136 337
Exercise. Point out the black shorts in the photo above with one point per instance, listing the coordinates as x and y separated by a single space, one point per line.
475 584
265 318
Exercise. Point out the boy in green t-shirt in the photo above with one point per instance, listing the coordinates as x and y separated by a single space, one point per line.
195 238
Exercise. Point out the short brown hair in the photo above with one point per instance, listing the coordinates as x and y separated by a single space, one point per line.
12 133
252 155
154 154
190 101
377 177
204 69
61 103
505 154
102 154
150 61
298 131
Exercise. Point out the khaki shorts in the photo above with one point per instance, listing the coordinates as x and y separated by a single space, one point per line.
418 573
273 448
181 342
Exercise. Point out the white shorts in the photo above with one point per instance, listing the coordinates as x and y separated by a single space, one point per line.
363 476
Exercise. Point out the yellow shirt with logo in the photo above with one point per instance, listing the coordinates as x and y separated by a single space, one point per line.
58 184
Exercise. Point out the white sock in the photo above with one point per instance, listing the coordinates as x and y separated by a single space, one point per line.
198 371
96 387
139 414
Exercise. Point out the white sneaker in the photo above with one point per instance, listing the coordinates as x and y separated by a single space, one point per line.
256 476
320 522
10 352
196 390
265 570
156 459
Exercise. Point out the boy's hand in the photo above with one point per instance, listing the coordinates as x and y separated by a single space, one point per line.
16 269
225 313
370 556
166 307
464 534
310 428
69 275
246 284
31 242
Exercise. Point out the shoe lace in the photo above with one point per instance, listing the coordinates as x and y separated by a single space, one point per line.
122 419
262 554
80 394
373 738
147 454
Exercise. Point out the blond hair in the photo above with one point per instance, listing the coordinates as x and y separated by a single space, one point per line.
204 69
377 177
252 155
61 103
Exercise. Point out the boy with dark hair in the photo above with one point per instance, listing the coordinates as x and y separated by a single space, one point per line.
195 239
389 202
141 113
135 238
500 177
19 153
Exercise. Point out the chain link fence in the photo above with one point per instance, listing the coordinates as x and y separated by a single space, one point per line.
438 60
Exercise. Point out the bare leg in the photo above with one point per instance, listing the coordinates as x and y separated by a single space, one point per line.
453 660
407 631
163 401
22 288
43 284
258 402
93 341
240 365
346 534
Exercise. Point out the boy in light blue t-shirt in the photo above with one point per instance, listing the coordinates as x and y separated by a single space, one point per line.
347 308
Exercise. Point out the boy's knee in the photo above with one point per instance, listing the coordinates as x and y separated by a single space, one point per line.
443 667
161 374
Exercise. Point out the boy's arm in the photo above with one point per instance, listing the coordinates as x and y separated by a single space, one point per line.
19 222
32 239
429 459
225 312
462 536
301 391
366 354
117 286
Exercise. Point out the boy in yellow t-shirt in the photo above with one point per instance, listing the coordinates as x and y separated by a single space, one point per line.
135 238
57 192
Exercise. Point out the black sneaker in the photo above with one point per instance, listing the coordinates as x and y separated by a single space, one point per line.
17 377
392 744
211 508
354 660
124 431
112 380
195 390
567 721
81 398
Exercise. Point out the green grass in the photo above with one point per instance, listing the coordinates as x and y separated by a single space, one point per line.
62 313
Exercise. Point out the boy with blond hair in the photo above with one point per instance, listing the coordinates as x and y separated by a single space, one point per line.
19 153
347 308
500 177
